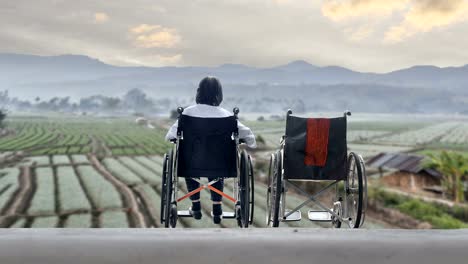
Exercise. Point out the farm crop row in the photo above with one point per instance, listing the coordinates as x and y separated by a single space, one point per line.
421 136
52 136
364 135
8 185
79 195
457 136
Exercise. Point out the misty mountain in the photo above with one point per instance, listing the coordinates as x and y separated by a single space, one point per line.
419 88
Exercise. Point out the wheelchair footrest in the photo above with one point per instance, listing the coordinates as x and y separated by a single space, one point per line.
185 213
319 216
295 216
229 215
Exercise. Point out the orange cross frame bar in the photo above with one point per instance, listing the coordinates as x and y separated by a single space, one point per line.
221 193
199 189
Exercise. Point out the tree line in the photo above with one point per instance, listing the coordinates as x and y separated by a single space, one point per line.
134 101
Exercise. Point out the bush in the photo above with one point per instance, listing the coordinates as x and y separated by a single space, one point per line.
459 212
446 222
418 209
387 198
430 213
439 216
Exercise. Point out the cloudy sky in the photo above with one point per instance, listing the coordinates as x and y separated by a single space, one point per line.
364 35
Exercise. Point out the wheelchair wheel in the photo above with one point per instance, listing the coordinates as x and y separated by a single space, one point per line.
163 189
356 190
244 191
277 191
269 198
168 191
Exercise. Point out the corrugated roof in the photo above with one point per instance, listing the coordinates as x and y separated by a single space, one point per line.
400 161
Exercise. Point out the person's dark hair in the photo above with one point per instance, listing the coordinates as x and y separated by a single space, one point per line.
209 92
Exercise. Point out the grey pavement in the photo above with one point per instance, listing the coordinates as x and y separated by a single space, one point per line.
255 246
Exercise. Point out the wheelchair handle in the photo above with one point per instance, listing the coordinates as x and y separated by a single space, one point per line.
180 110
289 112
347 113
236 111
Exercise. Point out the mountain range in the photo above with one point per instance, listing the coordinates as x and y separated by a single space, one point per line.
446 89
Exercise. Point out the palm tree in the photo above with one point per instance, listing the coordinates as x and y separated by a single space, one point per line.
453 167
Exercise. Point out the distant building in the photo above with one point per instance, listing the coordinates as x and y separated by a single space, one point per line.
407 172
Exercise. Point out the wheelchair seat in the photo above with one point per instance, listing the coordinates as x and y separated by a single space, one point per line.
207 147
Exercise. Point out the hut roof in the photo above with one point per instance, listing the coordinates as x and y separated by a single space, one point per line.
402 162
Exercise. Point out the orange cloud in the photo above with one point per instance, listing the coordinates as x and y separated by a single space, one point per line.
427 15
144 28
101 17
419 16
155 36
338 10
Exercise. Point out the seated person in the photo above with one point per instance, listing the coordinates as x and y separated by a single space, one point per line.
209 97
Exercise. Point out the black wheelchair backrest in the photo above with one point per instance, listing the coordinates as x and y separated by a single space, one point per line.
207 147
315 148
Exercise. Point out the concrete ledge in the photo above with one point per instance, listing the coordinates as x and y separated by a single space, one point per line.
255 246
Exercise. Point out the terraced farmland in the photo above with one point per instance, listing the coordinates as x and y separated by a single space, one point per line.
93 172
79 135
117 192
420 136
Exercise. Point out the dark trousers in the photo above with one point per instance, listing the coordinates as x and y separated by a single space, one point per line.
192 185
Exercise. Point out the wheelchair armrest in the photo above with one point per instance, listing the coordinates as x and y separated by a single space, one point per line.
174 140
242 141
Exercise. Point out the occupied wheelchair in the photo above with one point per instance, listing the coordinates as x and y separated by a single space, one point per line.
315 150
208 147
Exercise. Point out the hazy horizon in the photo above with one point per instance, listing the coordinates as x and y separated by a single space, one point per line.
363 35
239 64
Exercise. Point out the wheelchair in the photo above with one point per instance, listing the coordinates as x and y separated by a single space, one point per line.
315 150
207 147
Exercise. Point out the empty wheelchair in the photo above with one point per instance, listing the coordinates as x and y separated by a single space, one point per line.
207 147
315 150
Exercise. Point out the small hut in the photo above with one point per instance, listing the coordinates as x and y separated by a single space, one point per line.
407 172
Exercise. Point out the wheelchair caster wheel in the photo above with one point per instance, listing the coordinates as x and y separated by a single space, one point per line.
238 216
173 216
336 223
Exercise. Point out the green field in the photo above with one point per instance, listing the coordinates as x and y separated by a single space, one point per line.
81 135
69 171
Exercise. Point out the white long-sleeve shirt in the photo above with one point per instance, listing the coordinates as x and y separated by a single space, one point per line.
203 110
